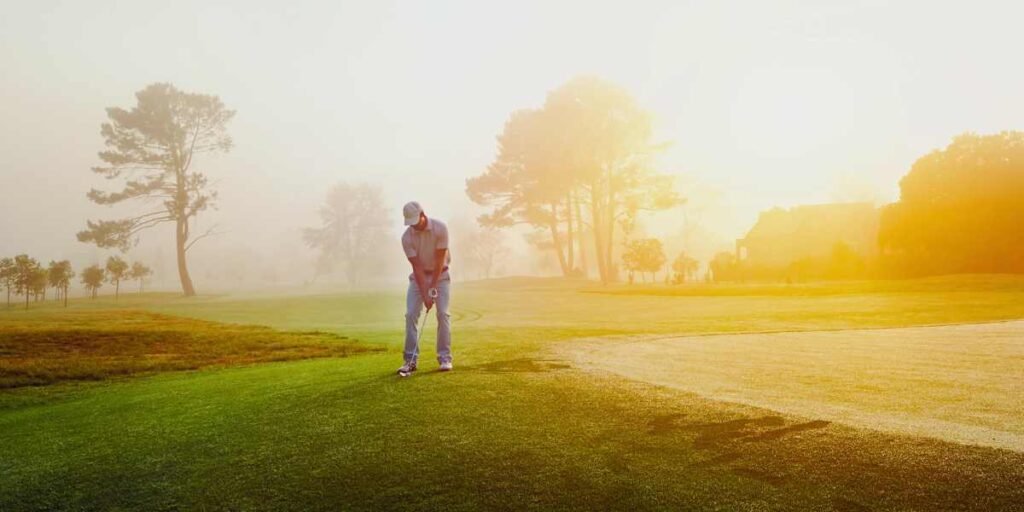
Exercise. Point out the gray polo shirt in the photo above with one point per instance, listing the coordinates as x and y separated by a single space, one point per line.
424 243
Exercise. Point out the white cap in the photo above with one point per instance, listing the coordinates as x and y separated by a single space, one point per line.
412 211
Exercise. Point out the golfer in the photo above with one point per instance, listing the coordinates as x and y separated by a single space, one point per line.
425 242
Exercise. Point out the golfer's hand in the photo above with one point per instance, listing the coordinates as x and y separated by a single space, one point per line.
431 297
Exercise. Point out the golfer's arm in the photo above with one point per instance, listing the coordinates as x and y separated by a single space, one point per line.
439 255
419 276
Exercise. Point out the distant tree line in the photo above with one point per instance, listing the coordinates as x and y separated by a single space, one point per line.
645 257
25 276
115 271
960 211
579 169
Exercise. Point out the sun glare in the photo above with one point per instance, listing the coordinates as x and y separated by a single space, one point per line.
782 113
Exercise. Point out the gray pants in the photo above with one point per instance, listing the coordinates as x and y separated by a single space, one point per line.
413 308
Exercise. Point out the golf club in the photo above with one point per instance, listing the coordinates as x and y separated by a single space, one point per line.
419 334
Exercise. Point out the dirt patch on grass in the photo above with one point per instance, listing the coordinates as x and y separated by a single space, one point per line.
97 345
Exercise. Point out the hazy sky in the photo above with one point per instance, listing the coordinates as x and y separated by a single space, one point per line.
768 103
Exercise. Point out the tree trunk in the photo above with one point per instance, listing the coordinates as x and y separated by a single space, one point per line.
598 229
558 247
609 243
596 226
579 236
181 239
553 224
569 232
117 289
65 296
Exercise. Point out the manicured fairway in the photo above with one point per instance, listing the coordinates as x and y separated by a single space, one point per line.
518 424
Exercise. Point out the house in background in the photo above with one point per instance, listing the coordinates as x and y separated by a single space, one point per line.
783 236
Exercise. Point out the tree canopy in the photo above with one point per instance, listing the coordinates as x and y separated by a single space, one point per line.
588 148
685 268
139 272
59 277
152 148
117 270
92 278
644 255
960 209
26 276
7 274
352 232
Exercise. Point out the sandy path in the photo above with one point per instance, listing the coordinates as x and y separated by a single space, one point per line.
962 383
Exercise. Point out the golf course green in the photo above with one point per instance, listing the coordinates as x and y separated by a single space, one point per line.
313 417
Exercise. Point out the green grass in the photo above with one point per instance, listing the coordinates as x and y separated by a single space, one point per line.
1008 283
40 348
512 428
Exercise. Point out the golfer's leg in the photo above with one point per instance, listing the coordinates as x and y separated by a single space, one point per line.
413 307
444 322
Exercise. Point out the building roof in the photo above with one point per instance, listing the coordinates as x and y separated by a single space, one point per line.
817 219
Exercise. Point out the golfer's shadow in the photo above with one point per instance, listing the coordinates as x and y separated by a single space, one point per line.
520 366
725 439
747 430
